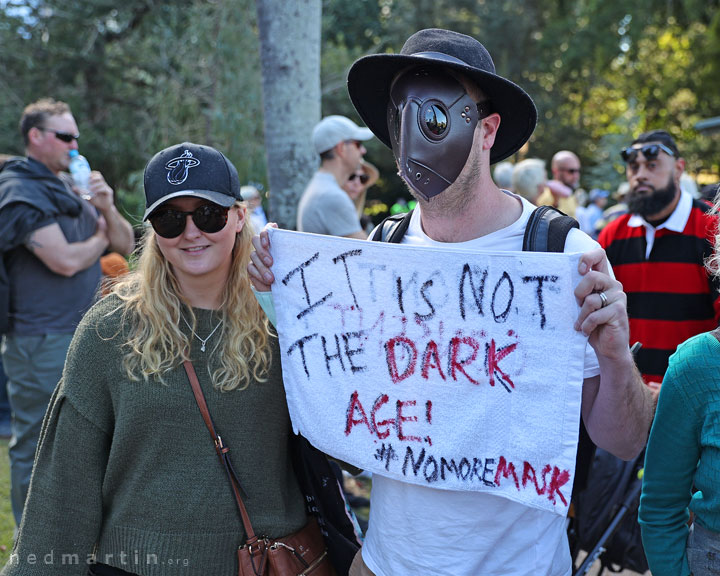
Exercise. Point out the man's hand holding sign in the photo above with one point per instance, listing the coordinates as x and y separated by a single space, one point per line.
448 374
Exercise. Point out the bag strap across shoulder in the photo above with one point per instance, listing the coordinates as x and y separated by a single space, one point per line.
393 228
222 451
547 230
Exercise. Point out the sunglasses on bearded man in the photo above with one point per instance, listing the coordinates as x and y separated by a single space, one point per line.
649 151
170 223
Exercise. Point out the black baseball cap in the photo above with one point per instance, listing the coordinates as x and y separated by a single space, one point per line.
189 169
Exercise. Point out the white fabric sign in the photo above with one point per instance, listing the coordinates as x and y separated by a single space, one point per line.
453 370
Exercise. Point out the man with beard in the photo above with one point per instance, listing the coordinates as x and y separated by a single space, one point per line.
658 251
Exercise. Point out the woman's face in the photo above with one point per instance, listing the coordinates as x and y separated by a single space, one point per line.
354 187
197 255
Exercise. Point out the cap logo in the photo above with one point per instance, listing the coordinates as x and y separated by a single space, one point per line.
178 167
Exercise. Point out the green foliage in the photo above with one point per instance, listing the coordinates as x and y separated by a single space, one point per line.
141 75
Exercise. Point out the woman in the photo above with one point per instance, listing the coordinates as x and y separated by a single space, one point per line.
682 462
364 176
126 476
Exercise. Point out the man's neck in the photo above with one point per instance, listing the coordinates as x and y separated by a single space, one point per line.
486 211
336 168
31 157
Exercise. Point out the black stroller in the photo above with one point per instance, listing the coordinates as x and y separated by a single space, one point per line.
605 523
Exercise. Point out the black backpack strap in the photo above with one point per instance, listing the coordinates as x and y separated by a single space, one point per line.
393 228
547 229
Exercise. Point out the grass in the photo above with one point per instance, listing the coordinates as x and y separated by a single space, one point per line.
7 523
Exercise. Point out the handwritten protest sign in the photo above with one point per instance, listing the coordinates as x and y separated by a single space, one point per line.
454 370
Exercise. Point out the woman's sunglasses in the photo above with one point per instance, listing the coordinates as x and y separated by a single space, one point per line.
363 178
170 223
649 151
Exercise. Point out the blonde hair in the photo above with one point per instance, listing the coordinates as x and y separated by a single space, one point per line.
152 307
712 263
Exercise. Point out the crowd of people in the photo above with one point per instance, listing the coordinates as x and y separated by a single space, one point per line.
112 472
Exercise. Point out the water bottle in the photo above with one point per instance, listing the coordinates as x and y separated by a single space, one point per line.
80 171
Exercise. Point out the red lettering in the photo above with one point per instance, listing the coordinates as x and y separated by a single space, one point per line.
559 479
529 474
400 419
493 362
351 421
391 358
459 365
431 359
506 469
381 401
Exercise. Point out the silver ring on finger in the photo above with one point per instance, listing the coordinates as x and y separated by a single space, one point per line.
603 299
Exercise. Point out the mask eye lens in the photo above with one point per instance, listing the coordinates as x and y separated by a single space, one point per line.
435 120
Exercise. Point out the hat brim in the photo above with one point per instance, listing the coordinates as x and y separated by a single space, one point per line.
214 197
369 83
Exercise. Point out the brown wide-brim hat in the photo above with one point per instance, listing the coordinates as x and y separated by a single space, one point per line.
370 79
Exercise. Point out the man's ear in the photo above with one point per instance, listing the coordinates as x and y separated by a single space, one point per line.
34 135
490 128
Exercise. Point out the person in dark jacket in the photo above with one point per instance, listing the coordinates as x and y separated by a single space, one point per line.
52 240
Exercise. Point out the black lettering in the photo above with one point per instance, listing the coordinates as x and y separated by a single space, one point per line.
477 464
400 291
466 465
343 257
450 466
300 344
539 293
336 356
502 317
350 352
488 463
433 476
301 269
410 458
423 317
477 291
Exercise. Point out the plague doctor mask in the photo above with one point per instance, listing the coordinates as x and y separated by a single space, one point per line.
431 120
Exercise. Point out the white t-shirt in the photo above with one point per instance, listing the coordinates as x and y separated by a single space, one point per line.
416 530
325 208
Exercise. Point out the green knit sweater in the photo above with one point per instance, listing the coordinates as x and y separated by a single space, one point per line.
127 470
682 462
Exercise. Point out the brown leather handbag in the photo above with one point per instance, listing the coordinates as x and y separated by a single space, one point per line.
302 553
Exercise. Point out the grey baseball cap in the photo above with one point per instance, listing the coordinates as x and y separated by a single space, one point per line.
332 130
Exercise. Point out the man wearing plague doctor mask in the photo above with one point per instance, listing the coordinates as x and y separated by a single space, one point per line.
448 116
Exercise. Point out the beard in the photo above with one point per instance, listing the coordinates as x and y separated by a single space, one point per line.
650 204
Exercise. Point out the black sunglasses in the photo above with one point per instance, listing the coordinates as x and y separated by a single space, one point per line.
64 136
170 223
571 170
650 151
363 178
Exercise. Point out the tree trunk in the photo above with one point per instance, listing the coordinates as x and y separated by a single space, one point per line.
290 57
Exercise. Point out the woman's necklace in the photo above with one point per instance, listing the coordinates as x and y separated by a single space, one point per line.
202 342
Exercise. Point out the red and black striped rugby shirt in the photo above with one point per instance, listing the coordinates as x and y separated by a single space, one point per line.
670 294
